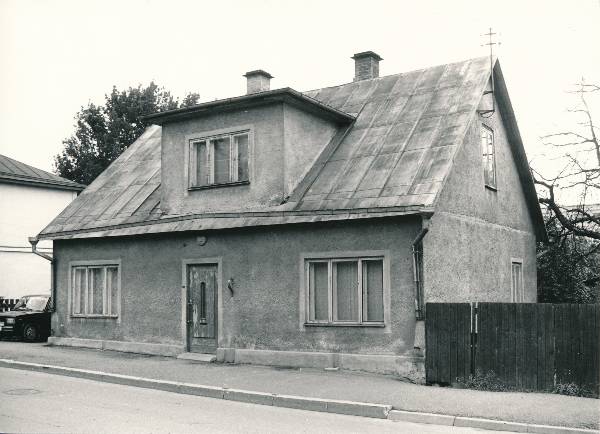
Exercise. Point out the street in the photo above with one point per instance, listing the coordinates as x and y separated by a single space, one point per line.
38 402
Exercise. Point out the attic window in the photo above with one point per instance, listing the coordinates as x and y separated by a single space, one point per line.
489 156
219 160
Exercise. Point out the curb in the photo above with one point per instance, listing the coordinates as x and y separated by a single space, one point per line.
353 408
487 424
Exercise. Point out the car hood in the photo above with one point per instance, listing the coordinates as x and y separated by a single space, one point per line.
17 313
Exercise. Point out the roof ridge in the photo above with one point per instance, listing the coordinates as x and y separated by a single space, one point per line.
399 73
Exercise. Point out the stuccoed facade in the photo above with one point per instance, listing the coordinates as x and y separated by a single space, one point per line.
375 186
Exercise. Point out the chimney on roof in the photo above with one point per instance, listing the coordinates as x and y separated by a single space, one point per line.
366 65
258 81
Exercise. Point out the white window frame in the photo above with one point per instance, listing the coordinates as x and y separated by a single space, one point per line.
332 293
108 309
517 295
208 138
490 183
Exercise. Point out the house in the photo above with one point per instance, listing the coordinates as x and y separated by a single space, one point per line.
29 199
304 229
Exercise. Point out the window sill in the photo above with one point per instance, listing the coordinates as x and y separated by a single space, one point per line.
95 316
226 184
489 187
365 324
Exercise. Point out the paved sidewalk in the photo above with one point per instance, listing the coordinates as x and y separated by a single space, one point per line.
531 408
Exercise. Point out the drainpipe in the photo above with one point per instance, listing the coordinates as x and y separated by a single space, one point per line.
33 241
417 250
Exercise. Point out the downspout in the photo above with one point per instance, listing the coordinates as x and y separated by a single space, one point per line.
417 250
34 241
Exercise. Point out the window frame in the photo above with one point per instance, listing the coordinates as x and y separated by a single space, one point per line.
486 180
193 141
111 311
517 295
330 259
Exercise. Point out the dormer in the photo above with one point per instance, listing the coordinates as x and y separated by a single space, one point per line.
242 153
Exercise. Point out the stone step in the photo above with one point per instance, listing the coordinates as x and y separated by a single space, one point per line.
198 357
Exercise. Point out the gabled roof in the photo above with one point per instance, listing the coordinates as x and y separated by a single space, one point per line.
16 172
392 160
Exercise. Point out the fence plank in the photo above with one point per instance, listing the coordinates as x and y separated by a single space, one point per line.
547 354
531 314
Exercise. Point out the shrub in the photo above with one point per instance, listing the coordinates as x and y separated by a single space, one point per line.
573 389
483 381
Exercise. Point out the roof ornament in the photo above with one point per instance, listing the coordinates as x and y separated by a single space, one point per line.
490 34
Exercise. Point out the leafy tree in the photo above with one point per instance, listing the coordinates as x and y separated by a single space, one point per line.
568 266
103 132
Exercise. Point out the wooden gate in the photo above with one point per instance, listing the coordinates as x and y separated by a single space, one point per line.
448 342
528 346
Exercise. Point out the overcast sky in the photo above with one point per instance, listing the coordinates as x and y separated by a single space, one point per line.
58 55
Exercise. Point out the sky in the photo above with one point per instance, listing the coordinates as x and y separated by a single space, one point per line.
56 56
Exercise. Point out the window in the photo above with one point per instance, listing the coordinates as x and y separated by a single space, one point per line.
95 290
345 291
219 160
516 290
489 157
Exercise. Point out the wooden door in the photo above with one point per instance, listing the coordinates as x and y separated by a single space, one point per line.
202 307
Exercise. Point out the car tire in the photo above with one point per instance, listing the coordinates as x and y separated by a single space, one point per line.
30 333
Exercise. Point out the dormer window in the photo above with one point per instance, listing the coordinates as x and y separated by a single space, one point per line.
489 156
219 160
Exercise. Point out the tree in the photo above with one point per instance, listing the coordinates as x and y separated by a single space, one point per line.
580 174
569 264
103 132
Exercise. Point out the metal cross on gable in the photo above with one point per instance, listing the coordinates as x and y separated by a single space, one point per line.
490 34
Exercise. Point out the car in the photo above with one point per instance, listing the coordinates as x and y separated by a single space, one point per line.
28 320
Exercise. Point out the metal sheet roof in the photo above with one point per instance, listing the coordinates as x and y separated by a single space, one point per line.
126 192
16 172
392 160
400 149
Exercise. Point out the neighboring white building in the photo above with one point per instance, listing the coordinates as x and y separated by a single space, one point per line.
29 199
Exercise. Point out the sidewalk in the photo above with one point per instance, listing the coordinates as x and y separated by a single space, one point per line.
528 408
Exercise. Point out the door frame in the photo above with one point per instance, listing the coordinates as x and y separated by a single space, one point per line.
219 294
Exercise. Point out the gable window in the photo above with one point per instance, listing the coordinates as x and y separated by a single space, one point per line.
95 290
516 290
345 291
219 160
489 156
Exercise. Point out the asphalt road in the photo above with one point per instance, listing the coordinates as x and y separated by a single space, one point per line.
38 402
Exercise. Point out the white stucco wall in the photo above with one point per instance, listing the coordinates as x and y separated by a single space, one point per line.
24 212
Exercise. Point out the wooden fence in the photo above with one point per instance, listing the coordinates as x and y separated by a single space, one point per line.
528 346
7 303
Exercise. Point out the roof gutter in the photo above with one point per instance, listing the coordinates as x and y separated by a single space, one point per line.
33 241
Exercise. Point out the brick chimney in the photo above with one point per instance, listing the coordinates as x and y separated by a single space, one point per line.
366 65
258 81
